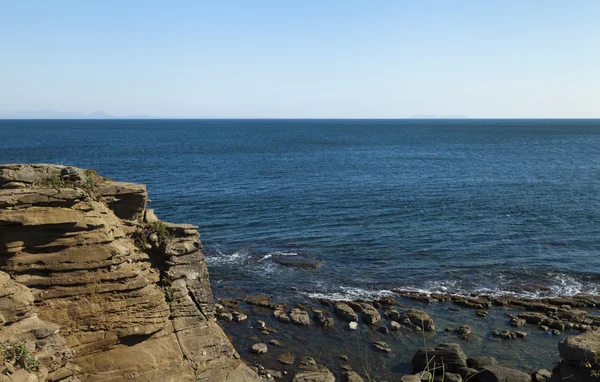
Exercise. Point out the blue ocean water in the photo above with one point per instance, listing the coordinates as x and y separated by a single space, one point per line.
501 206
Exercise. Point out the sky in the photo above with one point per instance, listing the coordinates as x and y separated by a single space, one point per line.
302 59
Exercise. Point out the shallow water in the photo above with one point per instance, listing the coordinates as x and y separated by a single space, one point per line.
537 351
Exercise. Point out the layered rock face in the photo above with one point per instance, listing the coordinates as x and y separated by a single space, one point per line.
125 295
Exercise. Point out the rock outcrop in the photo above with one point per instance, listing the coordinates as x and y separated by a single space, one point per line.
99 288
580 358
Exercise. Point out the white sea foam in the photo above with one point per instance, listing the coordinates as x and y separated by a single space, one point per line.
277 253
346 293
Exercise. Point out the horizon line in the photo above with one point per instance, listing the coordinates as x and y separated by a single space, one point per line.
292 118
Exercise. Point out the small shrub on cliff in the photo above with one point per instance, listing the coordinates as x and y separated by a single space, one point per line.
92 179
156 234
54 181
162 231
165 284
18 354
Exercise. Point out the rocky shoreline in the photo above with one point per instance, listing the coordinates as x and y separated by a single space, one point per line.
387 317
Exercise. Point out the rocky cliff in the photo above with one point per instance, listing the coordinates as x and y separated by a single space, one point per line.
94 287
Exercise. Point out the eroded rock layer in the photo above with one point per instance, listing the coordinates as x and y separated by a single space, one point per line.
128 296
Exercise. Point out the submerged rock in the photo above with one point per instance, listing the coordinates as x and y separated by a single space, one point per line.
382 346
287 358
262 301
299 261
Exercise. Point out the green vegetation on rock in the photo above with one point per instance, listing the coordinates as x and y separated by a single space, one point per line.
18 354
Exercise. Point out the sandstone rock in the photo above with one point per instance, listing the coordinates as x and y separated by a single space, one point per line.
287 358
382 346
541 375
353 325
394 326
418 318
239 316
319 374
481 362
300 317
520 334
352 376
71 251
261 300
259 348
321 319
582 348
410 378
345 312
533 317
281 315
371 315
501 374
392 314
450 355
452 377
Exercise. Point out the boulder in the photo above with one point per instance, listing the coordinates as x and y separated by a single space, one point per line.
300 317
352 376
286 358
261 301
501 374
259 348
450 355
481 362
382 346
582 348
410 378
371 315
534 318
541 375
418 318
315 374
281 315
345 312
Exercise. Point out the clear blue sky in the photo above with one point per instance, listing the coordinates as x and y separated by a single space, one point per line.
300 59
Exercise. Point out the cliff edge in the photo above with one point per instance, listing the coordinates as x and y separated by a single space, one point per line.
94 287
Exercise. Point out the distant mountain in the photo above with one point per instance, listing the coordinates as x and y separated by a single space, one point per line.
53 114
435 116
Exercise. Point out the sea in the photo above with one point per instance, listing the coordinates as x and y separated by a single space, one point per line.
501 207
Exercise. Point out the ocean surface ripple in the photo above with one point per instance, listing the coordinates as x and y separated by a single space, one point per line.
459 206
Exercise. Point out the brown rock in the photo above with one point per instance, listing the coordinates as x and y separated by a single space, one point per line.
73 246
418 318
300 317
287 358
450 355
582 348
345 312
501 374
